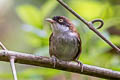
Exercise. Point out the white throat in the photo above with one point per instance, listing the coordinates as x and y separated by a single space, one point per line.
57 28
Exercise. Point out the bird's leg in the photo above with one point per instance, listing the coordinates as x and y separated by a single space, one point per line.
12 59
80 64
54 61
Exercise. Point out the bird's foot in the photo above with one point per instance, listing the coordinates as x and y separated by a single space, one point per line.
80 64
54 61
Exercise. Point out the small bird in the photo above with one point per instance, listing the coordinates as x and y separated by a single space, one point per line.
64 42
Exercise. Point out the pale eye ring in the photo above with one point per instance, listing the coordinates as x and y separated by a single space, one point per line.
60 20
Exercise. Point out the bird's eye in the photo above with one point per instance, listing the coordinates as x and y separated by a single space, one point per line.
60 20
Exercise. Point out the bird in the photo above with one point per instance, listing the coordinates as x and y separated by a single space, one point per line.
64 42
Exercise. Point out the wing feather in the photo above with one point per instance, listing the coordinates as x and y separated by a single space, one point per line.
50 46
79 47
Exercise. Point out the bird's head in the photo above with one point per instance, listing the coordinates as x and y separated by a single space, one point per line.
61 24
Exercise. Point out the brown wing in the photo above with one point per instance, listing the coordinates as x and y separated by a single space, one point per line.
79 47
50 48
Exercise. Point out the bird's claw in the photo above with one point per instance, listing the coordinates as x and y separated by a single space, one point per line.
80 64
54 61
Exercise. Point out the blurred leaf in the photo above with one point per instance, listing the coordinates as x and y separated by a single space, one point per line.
39 71
47 8
114 21
42 51
29 14
107 12
88 9
33 16
33 74
36 31
115 39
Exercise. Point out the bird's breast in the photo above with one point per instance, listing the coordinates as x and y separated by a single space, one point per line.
65 46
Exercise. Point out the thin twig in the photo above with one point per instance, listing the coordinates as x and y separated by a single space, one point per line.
2 46
98 20
25 58
90 25
12 61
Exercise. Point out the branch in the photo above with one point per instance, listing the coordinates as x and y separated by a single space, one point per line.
90 25
24 58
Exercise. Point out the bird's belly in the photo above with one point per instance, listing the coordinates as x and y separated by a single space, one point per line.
65 48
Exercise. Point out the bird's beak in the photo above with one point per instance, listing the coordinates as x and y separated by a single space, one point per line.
50 20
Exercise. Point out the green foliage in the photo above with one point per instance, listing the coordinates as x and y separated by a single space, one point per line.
88 9
30 14
39 73
34 16
33 74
